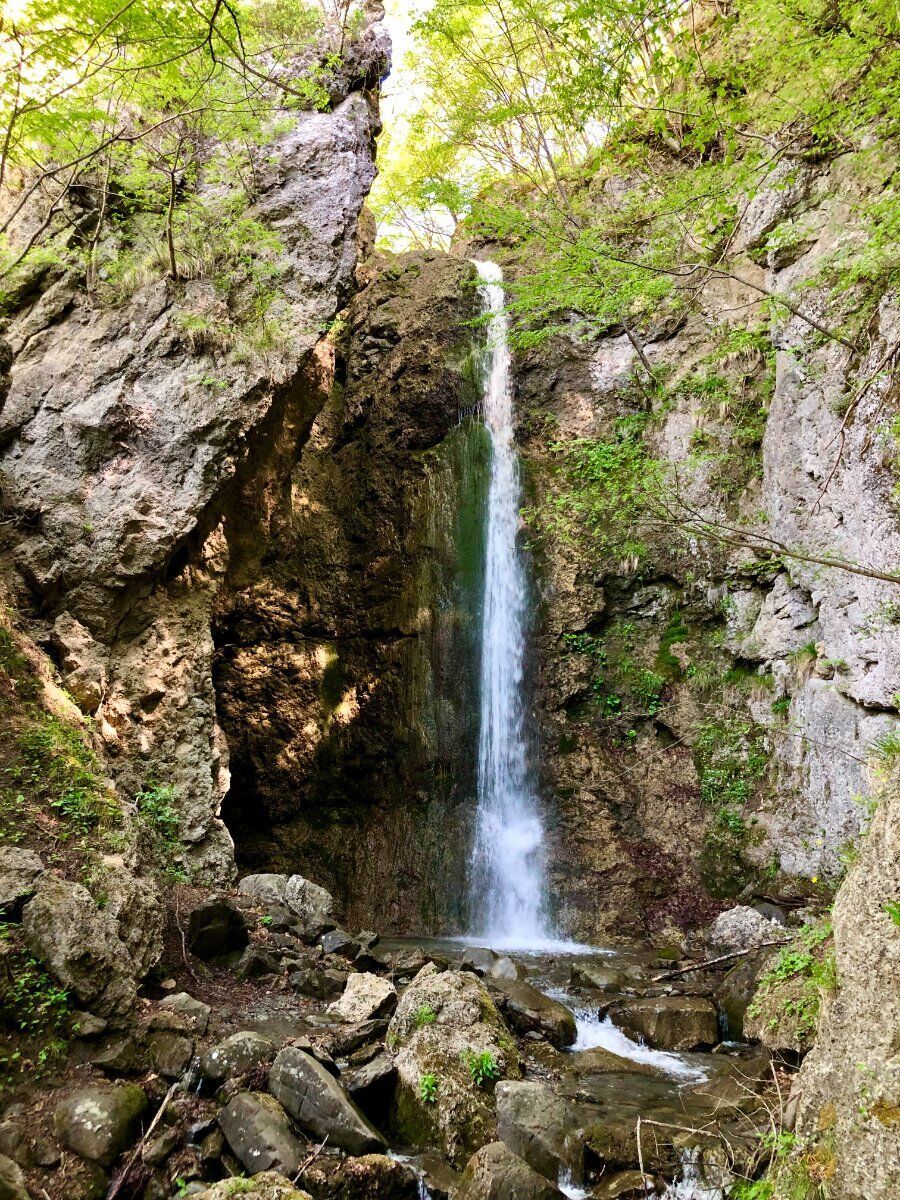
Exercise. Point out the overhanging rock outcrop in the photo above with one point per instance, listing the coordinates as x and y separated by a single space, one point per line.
125 443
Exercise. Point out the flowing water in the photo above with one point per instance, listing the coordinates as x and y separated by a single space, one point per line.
507 885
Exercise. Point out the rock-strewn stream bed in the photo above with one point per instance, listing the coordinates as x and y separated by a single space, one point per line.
278 1046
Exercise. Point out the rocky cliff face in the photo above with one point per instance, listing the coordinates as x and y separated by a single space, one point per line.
126 443
709 719
346 669
715 726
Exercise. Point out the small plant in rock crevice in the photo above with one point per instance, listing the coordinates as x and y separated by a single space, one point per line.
428 1087
158 820
892 908
424 1015
482 1067
809 961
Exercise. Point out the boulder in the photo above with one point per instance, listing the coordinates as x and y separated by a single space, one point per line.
12 1180
170 1052
375 1177
266 889
134 904
87 1025
371 1086
478 959
533 1122
342 1040
195 1010
14 1143
267 1185
120 1056
80 946
100 1122
216 927
319 1104
507 968
602 978
321 985
236 1055
453 1113
260 1134
669 1022
742 928
338 941
20 870
527 1009
496 1173
254 962
365 997
313 905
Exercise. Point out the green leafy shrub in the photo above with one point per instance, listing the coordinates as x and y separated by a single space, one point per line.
892 908
428 1087
34 1011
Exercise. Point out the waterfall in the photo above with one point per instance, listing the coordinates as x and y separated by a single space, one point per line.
507 875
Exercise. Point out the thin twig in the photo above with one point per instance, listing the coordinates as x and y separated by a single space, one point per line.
117 1185
310 1160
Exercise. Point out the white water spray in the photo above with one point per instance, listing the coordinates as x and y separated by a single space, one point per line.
508 875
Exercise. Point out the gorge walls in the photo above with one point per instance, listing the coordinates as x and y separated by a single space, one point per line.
347 670
127 436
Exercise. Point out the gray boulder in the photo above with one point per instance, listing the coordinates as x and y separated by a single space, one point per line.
80 946
339 941
260 1134
742 928
496 1173
527 1009
265 888
134 904
195 1010
507 968
235 1055
365 997
371 1086
20 870
311 903
100 1122
12 1180
216 928
319 1104
463 1025
669 1022
322 985
533 1122
171 1052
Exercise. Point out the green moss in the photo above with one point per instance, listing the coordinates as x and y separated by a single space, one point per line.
675 631
333 681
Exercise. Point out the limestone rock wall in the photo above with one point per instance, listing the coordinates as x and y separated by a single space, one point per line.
747 767
123 447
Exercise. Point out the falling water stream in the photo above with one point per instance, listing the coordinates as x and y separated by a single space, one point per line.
508 901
